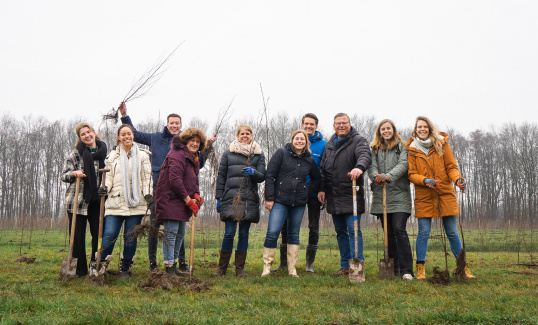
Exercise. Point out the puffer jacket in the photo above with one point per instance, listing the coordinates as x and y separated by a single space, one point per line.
392 162
230 181
178 179
335 166
115 204
429 201
286 177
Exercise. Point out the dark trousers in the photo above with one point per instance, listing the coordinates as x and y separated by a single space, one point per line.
153 239
79 242
313 222
399 247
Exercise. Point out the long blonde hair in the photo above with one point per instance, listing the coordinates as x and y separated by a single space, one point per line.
306 147
434 135
380 143
84 125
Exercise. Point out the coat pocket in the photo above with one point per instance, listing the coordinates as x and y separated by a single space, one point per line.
113 201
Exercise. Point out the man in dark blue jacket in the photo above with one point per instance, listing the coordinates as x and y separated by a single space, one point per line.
309 124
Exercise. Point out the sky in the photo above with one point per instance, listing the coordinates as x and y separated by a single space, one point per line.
466 65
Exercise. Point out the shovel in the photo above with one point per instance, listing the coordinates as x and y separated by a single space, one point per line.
386 264
69 264
191 258
97 271
356 266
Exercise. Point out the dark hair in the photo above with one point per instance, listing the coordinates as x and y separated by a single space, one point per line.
121 127
189 134
340 115
310 115
173 115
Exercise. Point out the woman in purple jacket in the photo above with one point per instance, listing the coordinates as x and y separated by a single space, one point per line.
177 195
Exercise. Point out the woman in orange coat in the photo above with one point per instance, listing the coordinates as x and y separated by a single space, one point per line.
433 169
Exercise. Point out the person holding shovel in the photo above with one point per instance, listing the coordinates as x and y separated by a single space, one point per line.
286 195
346 157
433 170
389 168
241 169
128 187
177 195
84 163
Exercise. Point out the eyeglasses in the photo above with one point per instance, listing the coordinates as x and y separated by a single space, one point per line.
341 123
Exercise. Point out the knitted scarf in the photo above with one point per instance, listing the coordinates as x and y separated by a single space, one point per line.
246 149
130 182
88 158
424 145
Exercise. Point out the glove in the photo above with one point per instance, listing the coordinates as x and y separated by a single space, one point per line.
199 199
102 191
430 182
461 184
382 178
218 205
148 197
193 206
248 171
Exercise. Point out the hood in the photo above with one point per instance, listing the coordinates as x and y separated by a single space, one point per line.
167 133
315 137
289 147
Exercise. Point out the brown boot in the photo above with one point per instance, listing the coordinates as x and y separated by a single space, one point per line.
240 258
224 260
421 271
341 272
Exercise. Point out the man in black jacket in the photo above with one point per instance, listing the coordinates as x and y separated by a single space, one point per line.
346 157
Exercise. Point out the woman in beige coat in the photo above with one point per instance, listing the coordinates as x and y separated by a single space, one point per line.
128 188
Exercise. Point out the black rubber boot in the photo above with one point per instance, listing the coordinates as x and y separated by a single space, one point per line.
310 257
283 258
124 267
171 270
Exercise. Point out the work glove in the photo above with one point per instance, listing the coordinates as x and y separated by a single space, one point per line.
218 205
102 191
199 199
193 206
461 184
430 182
148 197
382 178
248 171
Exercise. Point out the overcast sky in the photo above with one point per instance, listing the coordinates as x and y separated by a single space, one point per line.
464 64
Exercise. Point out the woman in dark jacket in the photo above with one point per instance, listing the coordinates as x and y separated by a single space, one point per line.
241 168
84 162
286 195
177 195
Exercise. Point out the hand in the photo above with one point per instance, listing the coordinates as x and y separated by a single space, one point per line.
218 205
193 206
78 174
102 191
122 109
321 197
148 197
355 173
430 182
199 199
269 205
212 139
461 184
248 171
382 178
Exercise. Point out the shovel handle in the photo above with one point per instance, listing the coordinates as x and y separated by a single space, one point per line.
355 218
73 221
191 258
385 232
101 217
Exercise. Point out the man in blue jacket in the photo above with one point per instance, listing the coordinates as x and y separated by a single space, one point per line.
309 124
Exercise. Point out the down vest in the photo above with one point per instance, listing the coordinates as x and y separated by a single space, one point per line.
335 166
230 181
428 201
286 177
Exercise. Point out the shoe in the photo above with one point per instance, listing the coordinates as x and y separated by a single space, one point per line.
421 271
468 273
283 258
124 267
407 277
152 266
310 257
268 259
293 252
341 272
240 259
182 269
224 260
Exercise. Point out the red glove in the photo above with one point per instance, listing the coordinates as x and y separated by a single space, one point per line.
382 178
199 199
193 206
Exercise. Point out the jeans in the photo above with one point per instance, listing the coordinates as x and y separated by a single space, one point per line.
174 235
313 223
111 231
79 243
451 231
399 247
278 215
345 236
229 234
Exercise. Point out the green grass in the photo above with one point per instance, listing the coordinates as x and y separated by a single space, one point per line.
504 293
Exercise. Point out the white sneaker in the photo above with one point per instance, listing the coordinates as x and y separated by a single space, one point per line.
407 277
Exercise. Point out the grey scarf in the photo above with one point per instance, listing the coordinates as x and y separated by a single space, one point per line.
424 145
130 193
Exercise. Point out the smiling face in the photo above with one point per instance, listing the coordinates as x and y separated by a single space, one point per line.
174 125
193 145
299 141
244 136
386 131
341 126
309 126
422 130
87 137
125 137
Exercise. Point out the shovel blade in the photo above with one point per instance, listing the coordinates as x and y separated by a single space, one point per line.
68 272
386 269
96 274
356 271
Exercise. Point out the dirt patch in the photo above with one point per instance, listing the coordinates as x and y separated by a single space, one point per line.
440 277
62 251
209 265
527 273
158 279
459 273
27 260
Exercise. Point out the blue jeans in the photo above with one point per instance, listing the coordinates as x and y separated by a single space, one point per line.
112 230
229 234
451 231
174 234
345 236
276 220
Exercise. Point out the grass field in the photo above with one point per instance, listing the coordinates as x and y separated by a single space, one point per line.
504 292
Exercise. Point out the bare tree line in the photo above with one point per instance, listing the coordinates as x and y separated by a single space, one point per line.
500 165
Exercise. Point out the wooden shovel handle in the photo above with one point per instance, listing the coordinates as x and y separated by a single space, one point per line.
191 258
101 217
73 221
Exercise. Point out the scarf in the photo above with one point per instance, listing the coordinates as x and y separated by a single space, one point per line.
130 193
337 142
424 146
245 149
88 158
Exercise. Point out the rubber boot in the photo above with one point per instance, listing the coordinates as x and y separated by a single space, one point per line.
421 271
468 273
283 258
124 267
171 270
293 252
224 260
310 257
268 259
240 258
